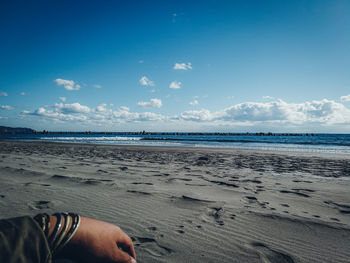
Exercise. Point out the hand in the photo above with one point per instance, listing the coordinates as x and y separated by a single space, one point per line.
98 241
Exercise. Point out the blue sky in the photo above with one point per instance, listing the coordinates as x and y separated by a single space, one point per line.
279 66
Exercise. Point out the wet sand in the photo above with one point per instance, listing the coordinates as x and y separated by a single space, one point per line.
190 204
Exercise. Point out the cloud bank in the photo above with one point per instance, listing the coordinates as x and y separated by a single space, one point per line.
278 114
324 111
101 115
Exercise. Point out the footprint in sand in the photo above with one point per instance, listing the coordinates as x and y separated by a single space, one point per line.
267 254
38 205
216 213
151 246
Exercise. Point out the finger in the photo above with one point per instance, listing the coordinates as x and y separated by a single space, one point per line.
124 241
129 248
123 257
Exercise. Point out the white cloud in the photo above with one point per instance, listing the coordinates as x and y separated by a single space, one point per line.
267 97
150 116
183 66
23 93
67 84
141 61
175 85
154 103
63 99
101 108
323 112
144 81
6 107
97 86
193 103
55 115
3 94
72 108
345 98
197 115
124 115
124 108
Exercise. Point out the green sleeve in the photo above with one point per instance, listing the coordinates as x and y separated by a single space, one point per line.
23 241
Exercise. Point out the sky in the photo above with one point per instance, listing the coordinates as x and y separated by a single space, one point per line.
196 66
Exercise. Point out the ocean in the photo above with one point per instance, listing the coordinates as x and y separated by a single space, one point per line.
317 143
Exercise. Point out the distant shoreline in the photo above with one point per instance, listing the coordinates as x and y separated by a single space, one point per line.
183 149
168 133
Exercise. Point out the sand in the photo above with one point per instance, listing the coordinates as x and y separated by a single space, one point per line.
190 204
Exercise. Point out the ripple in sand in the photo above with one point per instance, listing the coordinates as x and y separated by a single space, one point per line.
294 192
138 192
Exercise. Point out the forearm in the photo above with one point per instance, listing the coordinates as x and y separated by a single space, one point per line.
21 240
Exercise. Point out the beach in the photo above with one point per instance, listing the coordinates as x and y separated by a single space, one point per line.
187 204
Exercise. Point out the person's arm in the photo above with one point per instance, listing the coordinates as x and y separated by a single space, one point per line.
97 241
21 240
27 240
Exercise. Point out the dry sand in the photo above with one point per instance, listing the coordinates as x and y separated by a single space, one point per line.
190 204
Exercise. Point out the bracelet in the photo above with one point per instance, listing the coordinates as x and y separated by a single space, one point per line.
44 222
64 230
56 230
62 234
75 224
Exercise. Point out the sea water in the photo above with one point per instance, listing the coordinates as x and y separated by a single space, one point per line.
318 143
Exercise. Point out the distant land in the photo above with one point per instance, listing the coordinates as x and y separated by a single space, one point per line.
10 130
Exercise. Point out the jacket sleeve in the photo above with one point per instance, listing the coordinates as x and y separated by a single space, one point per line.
23 241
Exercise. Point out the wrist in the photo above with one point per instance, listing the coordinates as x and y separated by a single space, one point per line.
59 228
